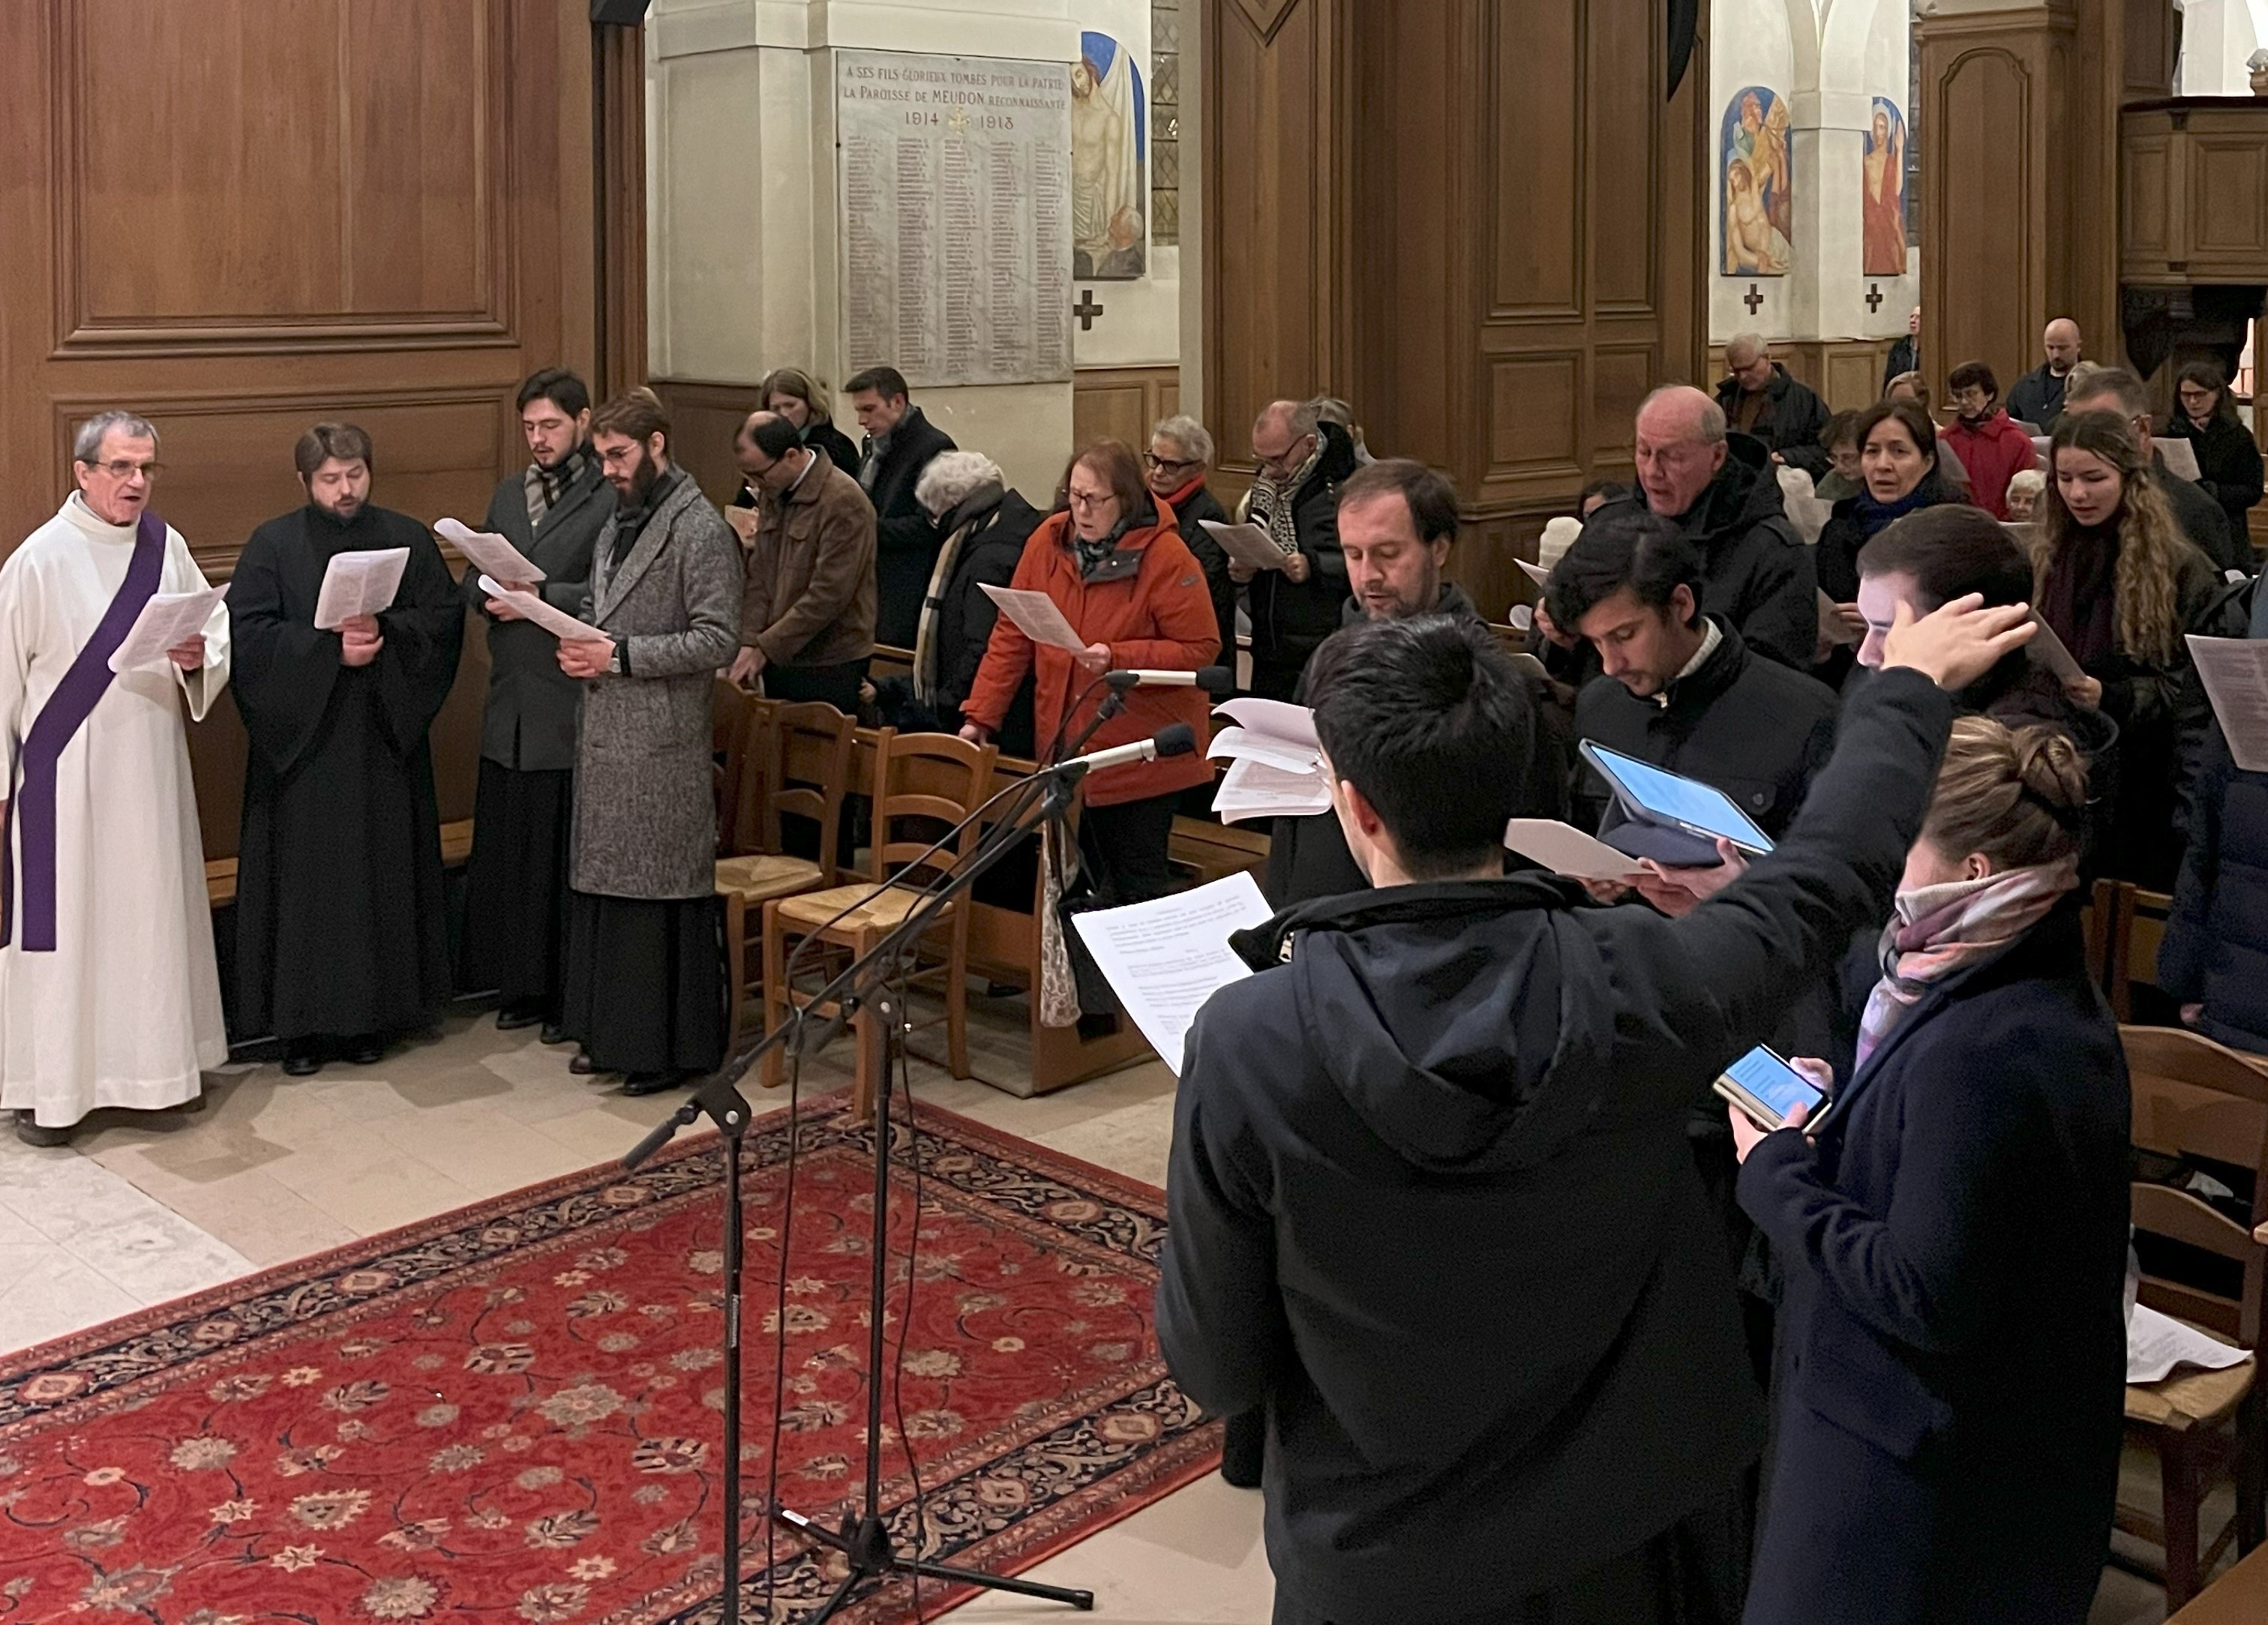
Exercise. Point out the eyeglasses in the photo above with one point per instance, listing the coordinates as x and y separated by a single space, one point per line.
1160 464
1091 499
121 469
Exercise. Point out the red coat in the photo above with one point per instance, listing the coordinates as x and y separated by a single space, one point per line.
1993 455
1154 615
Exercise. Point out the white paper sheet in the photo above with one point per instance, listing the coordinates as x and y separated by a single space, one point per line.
489 552
1254 788
1166 958
2235 671
1279 720
1566 850
360 583
1535 573
1246 544
2180 455
556 621
1243 745
1806 509
2156 1343
167 621
1035 616
2050 651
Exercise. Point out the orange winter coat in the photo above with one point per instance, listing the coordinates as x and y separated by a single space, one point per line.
1147 601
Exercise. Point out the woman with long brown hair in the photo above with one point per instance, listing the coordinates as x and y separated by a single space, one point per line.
2120 585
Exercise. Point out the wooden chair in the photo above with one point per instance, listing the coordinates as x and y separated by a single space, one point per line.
935 781
2135 931
2191 1096
800 767
732 713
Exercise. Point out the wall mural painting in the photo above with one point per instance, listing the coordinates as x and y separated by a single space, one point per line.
1885 201
1756 184
1109 147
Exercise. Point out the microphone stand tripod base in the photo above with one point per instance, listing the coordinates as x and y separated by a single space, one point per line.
866 1544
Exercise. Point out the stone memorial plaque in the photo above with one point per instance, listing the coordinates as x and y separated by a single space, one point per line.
956 202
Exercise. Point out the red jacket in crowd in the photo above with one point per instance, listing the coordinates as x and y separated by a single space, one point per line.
1994 453
1147 601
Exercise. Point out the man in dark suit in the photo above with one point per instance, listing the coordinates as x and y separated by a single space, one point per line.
899 442
515 936
1430 1202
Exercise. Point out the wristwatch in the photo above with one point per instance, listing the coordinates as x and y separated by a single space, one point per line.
614 660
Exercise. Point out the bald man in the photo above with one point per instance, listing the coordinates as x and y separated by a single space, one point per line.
1720 490
2037 397
1760 400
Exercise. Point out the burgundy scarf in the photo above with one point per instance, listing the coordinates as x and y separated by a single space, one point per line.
58 723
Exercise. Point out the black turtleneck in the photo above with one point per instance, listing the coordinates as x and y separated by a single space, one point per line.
630 522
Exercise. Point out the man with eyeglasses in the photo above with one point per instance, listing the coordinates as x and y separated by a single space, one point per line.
108 992
1174 468
1302 459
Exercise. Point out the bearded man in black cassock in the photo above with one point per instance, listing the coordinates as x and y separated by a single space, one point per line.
340 939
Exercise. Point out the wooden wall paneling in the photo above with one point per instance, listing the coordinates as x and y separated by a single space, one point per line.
240 217
1121 403
1277 266
704 418
1845 373
618 91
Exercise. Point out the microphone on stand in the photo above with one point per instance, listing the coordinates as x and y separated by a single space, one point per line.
1176 740
1217 681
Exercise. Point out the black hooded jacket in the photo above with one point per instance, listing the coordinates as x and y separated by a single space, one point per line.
1431 1201
1760 575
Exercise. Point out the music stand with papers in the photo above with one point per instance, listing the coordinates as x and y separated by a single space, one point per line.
873 982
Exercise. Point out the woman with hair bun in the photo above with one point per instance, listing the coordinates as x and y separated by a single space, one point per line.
1951 1387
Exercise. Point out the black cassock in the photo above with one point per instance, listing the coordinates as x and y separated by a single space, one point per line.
339 923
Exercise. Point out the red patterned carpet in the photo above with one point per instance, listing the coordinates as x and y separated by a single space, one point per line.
513 1413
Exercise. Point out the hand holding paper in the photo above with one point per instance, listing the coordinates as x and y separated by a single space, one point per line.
489 552
168 620
1246 544
360 583
560 624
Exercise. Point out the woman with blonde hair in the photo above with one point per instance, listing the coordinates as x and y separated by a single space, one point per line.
803 400
2120 585
1950 1401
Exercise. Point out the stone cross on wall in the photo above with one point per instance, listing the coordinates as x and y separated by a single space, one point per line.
1874 296
1086 310
1753 299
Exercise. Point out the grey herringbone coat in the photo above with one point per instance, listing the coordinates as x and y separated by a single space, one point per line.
645 808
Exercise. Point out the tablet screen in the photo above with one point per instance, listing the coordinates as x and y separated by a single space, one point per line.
1681 800
1772 1081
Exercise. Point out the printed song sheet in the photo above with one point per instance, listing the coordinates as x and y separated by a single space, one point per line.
2235 671
166 621
1035 616
1246 544
489 552
1166 958
360 583
558 623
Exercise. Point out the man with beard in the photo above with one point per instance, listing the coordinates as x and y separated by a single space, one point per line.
340 941
645 992
1395 521
515 938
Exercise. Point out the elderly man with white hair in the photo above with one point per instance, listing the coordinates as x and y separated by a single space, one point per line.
1722 492
108 994
1761 399
985 525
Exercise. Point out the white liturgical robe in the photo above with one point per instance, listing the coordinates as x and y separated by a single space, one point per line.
125 1011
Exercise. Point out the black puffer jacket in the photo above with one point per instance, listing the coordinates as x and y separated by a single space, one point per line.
1761 579
2216 946
1790 422
966 613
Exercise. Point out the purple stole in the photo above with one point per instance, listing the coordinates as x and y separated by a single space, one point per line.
73 701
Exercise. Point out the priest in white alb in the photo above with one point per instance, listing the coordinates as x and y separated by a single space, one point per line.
108 992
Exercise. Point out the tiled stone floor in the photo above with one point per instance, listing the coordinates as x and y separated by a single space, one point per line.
146 1208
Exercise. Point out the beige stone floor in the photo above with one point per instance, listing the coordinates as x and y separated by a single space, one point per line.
144 1208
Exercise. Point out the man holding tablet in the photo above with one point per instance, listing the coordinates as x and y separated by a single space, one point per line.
1387 1139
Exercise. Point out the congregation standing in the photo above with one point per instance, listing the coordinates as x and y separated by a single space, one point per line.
1440 1039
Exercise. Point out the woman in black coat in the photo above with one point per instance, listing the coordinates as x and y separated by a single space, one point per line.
1952 1374
1900 473
2228 459
802 399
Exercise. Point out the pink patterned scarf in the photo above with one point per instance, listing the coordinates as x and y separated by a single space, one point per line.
1940 930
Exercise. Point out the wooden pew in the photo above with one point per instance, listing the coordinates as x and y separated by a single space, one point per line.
2238 1597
